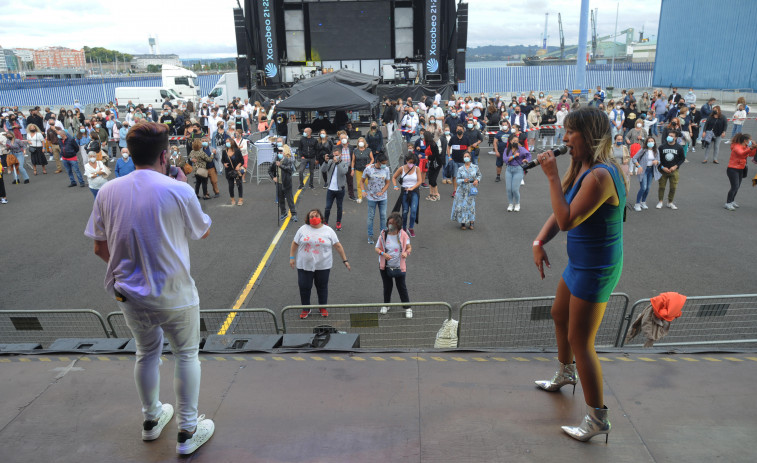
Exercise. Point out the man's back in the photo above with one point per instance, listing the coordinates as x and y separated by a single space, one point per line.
147 219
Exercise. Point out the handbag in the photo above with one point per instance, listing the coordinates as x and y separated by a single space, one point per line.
11 160
473 191
187 169
708 135
202 172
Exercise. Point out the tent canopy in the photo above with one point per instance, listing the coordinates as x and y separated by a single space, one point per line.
345 76
329 95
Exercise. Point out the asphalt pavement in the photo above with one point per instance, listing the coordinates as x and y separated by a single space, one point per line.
699 249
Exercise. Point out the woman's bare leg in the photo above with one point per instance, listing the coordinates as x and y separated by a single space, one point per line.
584 321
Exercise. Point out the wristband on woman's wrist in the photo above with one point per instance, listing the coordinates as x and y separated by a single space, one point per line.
345 261
539 243
291 257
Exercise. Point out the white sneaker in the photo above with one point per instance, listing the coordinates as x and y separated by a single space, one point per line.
693 150
151 430
672 206
384 310
727 142
644 205
734 204
359 201
3 201
522 182
517 208
510 207
637 207
408 313
190 443
729 206
659 205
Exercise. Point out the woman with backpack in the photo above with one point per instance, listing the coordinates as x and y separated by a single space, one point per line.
393 247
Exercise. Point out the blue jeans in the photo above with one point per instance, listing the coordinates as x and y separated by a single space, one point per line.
646 182
21 168
71 167
94 192
372 213
409 205
513 176
653 129
330 197
736 129
182 329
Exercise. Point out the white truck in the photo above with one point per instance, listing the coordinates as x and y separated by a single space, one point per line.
182 81
226 90
154 96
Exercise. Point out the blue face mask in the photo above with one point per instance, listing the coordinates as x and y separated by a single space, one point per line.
204 144
670 139
279 144
281 156
619 143
650 145
228 145
304 134
323 135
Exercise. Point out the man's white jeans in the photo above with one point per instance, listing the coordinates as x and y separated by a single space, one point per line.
182 329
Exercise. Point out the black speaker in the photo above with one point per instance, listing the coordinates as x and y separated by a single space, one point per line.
239 30
462 26
243 72
460 66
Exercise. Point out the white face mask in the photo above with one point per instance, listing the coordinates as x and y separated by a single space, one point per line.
638 125
125 155
344 141
361 144
92 159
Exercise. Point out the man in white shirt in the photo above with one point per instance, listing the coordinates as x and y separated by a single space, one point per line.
409 122
141 224
436 112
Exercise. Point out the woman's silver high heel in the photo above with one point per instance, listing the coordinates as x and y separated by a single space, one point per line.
565 375
595 422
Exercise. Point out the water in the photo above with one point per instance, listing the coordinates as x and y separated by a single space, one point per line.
490 64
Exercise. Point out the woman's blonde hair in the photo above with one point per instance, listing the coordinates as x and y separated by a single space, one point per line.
594 126
287 151
364 141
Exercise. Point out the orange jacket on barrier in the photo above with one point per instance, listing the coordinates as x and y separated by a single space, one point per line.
667 306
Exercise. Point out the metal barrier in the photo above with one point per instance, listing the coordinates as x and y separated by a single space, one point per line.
706 320
523 322
391 330
243 321
45 326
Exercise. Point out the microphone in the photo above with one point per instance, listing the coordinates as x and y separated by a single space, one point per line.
557 150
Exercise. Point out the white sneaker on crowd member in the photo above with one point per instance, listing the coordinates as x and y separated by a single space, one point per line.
517 208
408 313
187 443
644 205
384 310
734 204
672 206
151 429
637 207
510 207
659 205
729 206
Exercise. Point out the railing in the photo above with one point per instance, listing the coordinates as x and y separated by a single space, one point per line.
376 330
45 326
510 323
729 320
243 321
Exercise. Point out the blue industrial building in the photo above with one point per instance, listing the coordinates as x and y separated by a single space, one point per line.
707 44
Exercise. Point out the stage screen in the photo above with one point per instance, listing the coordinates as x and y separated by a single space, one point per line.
350 30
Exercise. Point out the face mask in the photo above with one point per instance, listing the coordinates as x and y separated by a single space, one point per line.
373 127
470 126
410 165
92 159
435 106
344 141
228 145
279 144
619 143
670 139
650 145
305 134
320 117
281 156
466 159
315 221
446 132
125 155
453 114
459 132
323 135
361 144
60 137
432 121
82 130
97 126
391 228
204 144
638 126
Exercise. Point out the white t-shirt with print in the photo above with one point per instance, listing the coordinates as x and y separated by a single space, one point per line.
314 247
376 180
147 219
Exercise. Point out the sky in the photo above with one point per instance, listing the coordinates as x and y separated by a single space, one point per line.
202 29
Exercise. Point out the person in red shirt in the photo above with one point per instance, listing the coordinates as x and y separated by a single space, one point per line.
742 147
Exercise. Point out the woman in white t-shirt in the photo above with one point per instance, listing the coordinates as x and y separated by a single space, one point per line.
646 162
96 173
393 247
311 253
36 143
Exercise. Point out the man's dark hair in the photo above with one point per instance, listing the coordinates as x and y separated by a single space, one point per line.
146 141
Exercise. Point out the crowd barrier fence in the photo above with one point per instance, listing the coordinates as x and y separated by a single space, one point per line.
243 321
45 326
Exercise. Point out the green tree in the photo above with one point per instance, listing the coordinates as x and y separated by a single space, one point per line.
154 67
103 55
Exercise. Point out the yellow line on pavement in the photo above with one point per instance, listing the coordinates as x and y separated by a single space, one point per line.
251 283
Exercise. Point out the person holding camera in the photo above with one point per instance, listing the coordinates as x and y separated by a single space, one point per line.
393 247
336 179
311 254
307 153
233 161
281 171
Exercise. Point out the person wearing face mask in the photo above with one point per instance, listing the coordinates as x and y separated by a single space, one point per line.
36 143
232 161
696 119
499 145
211 166
617 118
671 158
311 253
324 148
168 119
457 147
621 154
637 134
436 113
375 184
646 162
409 124
96 173
124 165
69 152
447 164
200 161
464 205
16 148
388 116
515 155
344 145
714 129
518 118
308 152
409 176
742 147
361 157
336 179
547 134
475 138
393 247
375 139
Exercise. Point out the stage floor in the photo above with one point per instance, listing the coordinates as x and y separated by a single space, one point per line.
386 407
